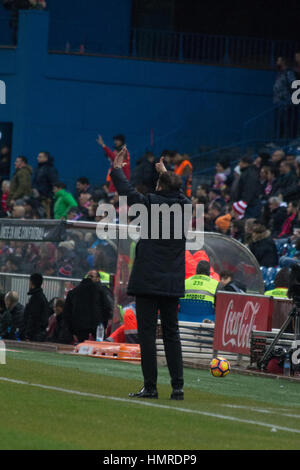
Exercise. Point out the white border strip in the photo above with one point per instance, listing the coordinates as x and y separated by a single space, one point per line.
272 427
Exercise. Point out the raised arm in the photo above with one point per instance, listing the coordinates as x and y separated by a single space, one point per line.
121 183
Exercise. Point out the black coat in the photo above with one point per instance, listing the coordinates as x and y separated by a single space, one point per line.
265 250
36 315
17 314
86 306
278 216
44 177
248 189
159 265
5 324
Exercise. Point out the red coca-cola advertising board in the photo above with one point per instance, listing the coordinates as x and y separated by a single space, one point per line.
236 316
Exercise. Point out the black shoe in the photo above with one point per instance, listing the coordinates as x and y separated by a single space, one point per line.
177 394
144 393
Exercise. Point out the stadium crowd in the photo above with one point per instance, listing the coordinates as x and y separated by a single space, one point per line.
256 202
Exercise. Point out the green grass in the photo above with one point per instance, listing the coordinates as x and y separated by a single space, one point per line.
40 418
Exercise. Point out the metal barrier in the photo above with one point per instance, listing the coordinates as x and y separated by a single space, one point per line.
52 286
192 47
172 45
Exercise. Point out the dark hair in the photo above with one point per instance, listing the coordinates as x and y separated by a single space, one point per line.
282 278
47 154
13 259
224 163
83 180
120 137
225 274
203 267
60 303
216 206
24 159
60 185
247 159
36 279
169 181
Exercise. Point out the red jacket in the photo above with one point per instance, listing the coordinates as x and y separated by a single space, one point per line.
286 229
111 154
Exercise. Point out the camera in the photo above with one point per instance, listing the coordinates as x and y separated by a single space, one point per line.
294 284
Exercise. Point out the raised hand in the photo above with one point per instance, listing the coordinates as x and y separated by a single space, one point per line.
99 140
160 167
119 158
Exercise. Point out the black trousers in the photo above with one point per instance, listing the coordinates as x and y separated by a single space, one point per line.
146 312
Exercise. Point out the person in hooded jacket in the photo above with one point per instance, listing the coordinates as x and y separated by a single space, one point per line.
43 180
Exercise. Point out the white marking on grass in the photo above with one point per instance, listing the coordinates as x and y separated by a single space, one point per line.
153 405
272 411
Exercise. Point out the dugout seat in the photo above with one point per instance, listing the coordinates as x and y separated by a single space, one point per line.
196 310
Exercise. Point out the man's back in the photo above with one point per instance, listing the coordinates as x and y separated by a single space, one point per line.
159 265
36 315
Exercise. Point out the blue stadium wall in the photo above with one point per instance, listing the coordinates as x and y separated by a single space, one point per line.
60 102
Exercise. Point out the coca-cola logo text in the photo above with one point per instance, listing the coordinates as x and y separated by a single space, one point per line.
237 326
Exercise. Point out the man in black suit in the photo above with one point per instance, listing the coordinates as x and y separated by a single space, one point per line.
157 277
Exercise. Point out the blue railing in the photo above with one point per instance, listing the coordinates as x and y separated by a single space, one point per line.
189 47
171 46
277 123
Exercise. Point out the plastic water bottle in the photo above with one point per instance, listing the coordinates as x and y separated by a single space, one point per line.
100 332
17 334
287 366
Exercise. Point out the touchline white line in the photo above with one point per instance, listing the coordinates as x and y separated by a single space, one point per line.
272 427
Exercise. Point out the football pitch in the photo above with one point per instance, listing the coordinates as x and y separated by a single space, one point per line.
55 401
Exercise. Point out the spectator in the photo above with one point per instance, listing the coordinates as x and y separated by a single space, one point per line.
119 144
222 175
277 157
44 178
5 319
278 216
228 284
287 178
64 201
83 186
20 185
184 169
286 112
271 187
248 189
144 173
55 328
83 310
106 298
287 227
4 162
4 197
37 310
18 211
214 212
263 246
17 313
